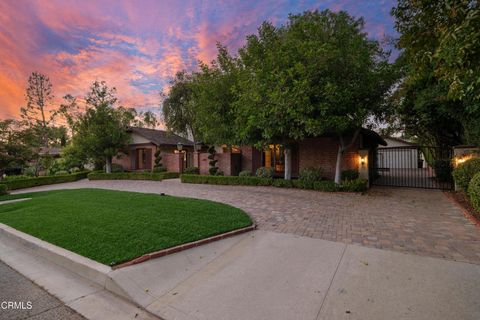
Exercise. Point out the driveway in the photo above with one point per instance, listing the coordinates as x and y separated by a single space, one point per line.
422 222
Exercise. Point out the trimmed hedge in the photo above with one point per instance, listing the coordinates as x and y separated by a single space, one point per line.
357 185
156 176
474 191
3 189
40 181
226 180
465 172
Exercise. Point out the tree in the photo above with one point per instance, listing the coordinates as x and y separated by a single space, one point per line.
317 74
101 130
179 106
14 152
39 95
440 93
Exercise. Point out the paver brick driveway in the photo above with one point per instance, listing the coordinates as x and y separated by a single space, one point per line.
416 221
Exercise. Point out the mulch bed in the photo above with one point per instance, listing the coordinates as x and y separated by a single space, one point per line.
461 199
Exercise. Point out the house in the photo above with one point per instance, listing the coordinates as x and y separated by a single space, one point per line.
311 152
139 155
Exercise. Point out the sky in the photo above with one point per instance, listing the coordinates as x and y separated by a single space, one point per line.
137 46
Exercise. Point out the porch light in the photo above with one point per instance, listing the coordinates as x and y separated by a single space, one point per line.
197 146
179 146
362 160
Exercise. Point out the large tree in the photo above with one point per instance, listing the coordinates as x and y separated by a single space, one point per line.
317 74
101 130
439 97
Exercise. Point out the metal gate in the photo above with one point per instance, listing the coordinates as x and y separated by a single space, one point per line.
413 166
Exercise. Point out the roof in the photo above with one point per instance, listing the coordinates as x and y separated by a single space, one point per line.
52 151
375 136
160 137
408 143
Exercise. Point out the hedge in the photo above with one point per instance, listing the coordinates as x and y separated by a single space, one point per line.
40 181
3 189
465 172
226 180
357 185
474 192
156 176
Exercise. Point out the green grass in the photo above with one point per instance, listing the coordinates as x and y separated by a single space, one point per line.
115 226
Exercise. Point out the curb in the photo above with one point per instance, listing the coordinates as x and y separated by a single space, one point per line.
189 245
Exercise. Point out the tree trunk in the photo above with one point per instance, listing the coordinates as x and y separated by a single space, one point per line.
338 167
288 163
108 164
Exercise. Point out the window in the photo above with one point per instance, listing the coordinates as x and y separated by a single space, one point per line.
273 157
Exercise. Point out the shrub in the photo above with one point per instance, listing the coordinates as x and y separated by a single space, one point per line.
282 183
350 174
212 162
325 185
443 170
75 169
40 181
226 180
474 191
156 176
3 189
465 172
264 172
357 185
245 173
308 176
192 170
61 173
158 166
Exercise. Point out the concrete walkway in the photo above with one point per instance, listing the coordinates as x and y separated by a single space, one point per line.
419 221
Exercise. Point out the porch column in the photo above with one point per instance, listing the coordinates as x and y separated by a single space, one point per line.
363 165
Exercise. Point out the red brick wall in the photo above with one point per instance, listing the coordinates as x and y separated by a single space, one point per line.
173 162
322 152
204 163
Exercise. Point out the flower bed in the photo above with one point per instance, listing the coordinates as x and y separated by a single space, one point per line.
357 185
156 176
23 183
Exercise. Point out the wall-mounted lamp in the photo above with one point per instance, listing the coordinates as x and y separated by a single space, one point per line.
461 159
197 146
363 160
179 146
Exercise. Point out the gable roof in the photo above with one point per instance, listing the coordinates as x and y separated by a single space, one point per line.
399 140
160 137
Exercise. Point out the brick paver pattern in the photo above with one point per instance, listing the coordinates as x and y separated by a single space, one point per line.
418 221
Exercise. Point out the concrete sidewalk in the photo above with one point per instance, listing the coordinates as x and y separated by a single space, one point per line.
268 275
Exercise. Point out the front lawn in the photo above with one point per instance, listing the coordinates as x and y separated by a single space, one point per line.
115 226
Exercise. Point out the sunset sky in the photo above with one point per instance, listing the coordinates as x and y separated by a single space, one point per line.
136 46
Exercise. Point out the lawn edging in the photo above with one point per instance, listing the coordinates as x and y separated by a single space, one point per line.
182 247
41 181
155 176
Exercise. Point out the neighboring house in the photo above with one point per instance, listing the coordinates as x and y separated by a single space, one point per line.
54 152
400 154
139 155
311 152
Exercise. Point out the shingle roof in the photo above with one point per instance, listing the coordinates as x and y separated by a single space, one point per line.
160 137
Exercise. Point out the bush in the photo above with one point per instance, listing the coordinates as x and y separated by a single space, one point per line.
156 176
3 189
282 183
465 172
212 162
40 181
61 173
443 170
264 172
192 170
350 175
325 186
474 191
245 173
308 176
357 185
75 169
159 169
228 180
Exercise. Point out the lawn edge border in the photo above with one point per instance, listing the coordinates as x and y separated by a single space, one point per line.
182 247
465 212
